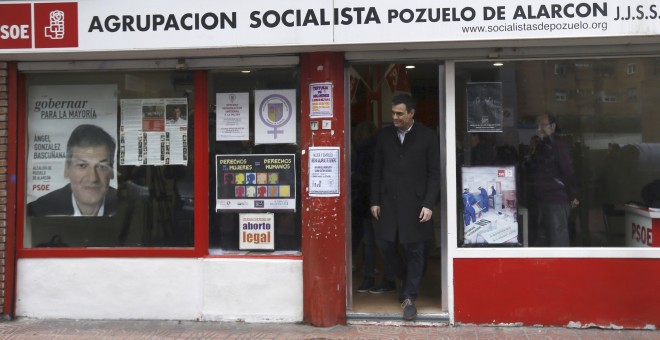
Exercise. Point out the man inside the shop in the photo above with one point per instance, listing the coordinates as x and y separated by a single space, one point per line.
89 167
554 184
405 186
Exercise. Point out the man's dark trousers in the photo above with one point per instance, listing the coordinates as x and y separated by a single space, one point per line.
411 273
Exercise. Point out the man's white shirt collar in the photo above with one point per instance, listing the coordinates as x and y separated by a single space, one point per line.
76 210
402 134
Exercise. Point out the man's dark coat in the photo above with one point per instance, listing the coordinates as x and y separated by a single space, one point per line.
58 203
405 178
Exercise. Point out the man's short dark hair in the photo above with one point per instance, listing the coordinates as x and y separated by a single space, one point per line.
405 99
88 135
552 119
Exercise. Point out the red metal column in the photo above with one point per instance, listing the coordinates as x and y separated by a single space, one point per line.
13 100
323 218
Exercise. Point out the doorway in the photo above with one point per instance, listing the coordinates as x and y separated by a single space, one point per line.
371 88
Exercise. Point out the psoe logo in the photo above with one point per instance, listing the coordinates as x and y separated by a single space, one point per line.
56 24
56 28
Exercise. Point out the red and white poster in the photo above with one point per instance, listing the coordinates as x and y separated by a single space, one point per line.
154 131
490 206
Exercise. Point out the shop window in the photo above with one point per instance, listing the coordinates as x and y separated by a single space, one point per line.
604 152
604 69
255 156
583 65
109 159
560 96
605 97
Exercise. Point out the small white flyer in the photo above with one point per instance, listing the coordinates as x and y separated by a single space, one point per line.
320 100
324 171
232 116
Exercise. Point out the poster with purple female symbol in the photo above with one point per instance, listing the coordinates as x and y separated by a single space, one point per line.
275 121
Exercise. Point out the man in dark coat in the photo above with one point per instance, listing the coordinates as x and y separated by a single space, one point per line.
404 188
89 167
554 183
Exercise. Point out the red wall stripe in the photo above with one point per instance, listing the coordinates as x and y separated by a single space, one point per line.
598 292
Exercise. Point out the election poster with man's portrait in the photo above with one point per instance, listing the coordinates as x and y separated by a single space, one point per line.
53 113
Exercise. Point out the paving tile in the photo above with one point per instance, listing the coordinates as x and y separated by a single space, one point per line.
28 329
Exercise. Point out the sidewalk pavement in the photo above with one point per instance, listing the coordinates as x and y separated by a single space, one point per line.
84 329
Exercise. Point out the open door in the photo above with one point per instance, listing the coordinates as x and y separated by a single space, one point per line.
372 87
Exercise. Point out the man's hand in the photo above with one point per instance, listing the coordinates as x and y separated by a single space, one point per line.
375 211
424 215
575 203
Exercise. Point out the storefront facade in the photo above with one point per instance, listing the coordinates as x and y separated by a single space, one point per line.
225 190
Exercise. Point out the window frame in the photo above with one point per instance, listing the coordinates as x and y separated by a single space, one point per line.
72 252
201 68
450 137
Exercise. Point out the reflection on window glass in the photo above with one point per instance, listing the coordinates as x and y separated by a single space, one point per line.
580 136
108 160
253 174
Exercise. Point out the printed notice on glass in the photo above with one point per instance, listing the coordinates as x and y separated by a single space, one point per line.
232 120
153 131
320 100
324 171
256 182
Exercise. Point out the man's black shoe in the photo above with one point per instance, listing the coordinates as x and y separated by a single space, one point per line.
366 285
409 310
384 287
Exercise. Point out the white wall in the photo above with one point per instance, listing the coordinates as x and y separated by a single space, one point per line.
253 290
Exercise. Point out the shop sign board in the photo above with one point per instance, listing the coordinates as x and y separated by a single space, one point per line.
119 25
